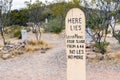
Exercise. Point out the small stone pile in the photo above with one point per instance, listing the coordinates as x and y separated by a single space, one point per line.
12 50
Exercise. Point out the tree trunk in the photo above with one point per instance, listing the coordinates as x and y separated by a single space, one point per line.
2 34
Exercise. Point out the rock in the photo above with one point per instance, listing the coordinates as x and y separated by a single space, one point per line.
8 51
43 51
88 45
95 56
109 35
100 56
1 49
7 47
19 52
91 57
88 51
108 49
6 56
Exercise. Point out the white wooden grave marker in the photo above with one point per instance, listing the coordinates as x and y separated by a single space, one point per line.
75 45
24 34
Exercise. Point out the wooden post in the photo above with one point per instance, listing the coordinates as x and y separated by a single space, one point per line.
75 45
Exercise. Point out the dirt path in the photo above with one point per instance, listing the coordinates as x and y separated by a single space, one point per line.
37 66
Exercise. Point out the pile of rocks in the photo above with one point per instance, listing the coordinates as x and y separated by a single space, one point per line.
12 50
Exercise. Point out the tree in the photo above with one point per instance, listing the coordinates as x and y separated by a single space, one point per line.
116 17
5 7
19 17
59 9
36 16
99 15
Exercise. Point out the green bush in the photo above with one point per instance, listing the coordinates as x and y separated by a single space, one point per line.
54 25
17 34
101 47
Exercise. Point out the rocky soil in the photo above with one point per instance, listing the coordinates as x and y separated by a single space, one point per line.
36 65
103 70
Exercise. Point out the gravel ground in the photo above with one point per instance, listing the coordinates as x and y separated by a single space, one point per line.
103 70
36 65
48 66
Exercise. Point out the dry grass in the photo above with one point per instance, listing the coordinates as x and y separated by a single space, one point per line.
34 45
116 58
31 48
1 45
117 55
37 42
113 57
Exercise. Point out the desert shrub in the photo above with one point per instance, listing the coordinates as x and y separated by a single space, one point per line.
11 29
54 25
15 30
118 55
37 42
32 48
15 27
42 42
33 42
101 47
37 45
